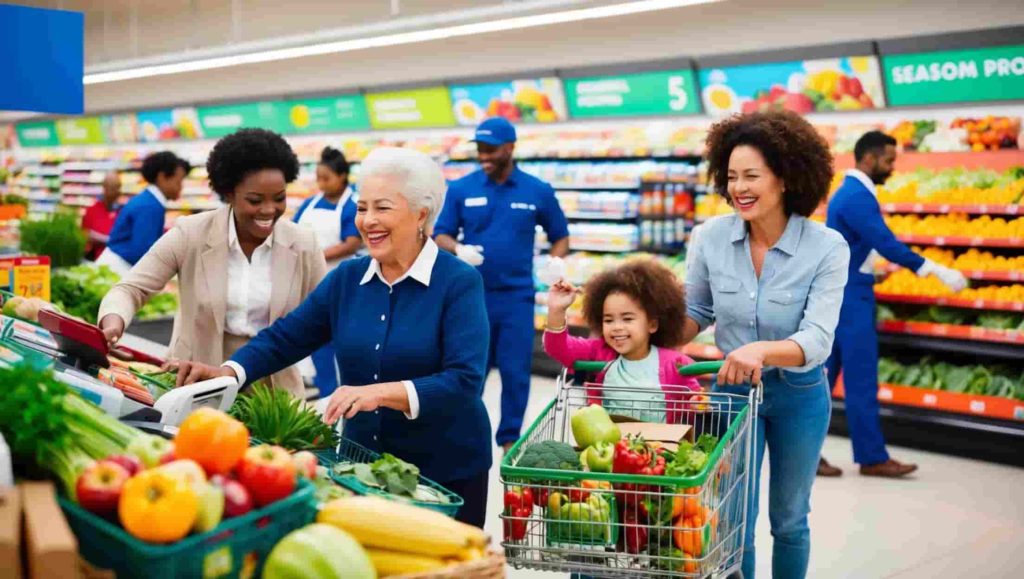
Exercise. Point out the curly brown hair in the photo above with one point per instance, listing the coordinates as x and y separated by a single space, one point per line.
650 284
791 147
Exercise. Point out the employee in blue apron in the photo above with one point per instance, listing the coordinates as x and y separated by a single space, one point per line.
497 210
855 213
331 214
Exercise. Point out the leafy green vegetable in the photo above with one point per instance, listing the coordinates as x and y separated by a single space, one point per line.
947 315
998 320
550 454
691 458
392 475
79 290
276 417
884 313
58 236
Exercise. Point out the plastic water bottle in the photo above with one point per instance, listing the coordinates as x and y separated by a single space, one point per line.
6 473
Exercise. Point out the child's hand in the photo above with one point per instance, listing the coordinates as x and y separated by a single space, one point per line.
561 295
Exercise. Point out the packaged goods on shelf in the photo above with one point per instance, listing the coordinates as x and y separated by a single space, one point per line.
598 204
620 237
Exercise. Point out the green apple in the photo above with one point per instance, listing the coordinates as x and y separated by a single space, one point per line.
149 448
211 507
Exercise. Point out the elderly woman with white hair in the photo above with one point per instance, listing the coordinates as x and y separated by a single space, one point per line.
409 328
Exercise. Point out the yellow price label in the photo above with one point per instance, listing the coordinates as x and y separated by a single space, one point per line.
32 281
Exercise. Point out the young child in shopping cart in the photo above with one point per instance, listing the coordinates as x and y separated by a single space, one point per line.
638 309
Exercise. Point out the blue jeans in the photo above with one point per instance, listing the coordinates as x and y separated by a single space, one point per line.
792 422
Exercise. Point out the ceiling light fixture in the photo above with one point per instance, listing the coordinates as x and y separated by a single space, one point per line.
516 23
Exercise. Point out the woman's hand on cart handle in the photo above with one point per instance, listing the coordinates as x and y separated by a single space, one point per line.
192 372
348 401
743 365
112 327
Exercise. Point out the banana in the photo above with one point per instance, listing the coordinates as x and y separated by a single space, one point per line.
470 554
390 563
384 524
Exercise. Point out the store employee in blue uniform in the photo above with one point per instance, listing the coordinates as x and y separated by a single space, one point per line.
497 210
855 213
141 222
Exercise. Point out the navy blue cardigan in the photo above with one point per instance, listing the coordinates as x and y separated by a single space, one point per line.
436 336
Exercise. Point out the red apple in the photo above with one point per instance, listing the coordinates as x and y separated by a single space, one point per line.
237 500
305 464
268 473
130 462
99 488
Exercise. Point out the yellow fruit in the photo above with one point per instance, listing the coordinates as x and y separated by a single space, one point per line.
385 524
390 563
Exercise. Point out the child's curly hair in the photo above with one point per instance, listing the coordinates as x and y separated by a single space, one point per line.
650 284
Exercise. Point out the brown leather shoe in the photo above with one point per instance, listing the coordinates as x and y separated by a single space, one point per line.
887 469
826 469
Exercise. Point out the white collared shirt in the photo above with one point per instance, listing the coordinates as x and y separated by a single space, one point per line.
156 192
421 271
868 267
249 285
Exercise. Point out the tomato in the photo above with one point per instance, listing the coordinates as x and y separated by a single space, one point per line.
158 507
213 439
268 473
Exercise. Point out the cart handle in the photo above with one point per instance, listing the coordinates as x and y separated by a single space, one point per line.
700 368
589 366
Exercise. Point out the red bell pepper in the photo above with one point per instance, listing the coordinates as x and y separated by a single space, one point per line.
515 529
516 497
635 529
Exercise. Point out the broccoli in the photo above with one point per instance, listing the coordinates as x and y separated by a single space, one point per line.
550 454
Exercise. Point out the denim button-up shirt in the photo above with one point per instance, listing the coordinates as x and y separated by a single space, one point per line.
797 297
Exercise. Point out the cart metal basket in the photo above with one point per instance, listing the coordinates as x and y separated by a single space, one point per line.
627 525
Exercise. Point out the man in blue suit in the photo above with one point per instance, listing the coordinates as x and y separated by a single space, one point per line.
855 213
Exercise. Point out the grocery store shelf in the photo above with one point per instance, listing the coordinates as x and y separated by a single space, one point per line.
961 241
952 302
994 160
953 332
955 402
597 248
601 216
971 348
943 208
612 187
977 275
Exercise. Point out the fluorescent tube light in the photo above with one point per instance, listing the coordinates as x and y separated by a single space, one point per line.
516 23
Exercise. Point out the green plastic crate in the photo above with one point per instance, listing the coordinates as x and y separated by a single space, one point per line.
237 548
349 451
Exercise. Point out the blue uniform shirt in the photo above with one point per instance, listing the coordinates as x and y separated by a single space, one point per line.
348 215
503 220
138 226
855 213
797 297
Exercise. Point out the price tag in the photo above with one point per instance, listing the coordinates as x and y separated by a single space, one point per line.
983 209
885 394
944 208
32 281
918 208
977 406
930 399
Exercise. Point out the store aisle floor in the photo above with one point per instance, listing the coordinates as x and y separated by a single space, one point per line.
956 518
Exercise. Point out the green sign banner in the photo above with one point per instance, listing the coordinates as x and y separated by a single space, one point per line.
980 74
225 119
647 93
425 107
80 131
344 113
37 134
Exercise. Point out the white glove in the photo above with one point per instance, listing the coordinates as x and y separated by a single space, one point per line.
952 278
553 273
471 254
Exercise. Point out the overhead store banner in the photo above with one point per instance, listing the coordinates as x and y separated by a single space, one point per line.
980 74
120 128
540 100
425 107
225 119
344 113
80 131
834 84
43 63
671 92
37 134
168 125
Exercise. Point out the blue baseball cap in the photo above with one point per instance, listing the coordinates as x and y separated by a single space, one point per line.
495 131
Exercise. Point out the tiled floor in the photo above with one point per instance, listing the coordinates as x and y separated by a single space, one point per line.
956 518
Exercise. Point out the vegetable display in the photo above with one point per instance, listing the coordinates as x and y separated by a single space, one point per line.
1002 381
276 417
991 320
58 236
79 290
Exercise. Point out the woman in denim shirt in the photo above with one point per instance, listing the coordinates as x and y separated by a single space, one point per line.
772 283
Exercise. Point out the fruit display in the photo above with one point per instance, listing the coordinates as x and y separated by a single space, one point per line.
972 260
910 134
957 225
954 186
983 380
906 283
990 133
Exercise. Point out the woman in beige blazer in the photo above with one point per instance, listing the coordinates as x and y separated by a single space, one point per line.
239 268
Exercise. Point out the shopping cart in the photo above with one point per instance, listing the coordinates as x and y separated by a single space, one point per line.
627 525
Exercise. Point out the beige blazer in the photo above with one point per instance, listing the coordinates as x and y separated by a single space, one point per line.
196 250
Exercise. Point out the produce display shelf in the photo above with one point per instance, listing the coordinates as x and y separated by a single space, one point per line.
977 274
942 208
937 346
961 241
952 302
594 188
951 331
994 160
594 216
976 405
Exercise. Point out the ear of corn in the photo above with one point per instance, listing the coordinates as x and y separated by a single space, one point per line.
388 562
